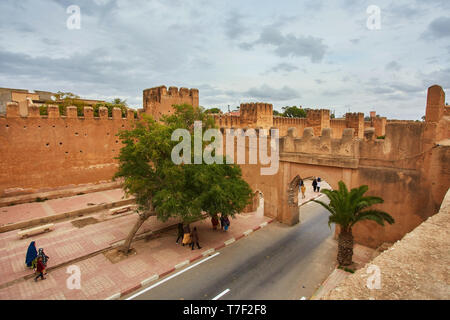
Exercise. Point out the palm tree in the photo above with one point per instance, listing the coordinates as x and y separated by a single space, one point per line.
346 209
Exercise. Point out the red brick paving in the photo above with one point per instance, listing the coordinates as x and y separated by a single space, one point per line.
100 278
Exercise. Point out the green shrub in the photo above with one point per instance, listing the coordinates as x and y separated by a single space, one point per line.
43 110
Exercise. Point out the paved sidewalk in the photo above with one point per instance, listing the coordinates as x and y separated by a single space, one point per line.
83 247
38 210
100 278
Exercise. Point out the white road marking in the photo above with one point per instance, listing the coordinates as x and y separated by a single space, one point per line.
230 241
172 276
221 294
114 296
182 264
248 232
262 225
148 280
205 253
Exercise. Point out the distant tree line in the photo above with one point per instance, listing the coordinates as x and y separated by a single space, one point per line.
294 112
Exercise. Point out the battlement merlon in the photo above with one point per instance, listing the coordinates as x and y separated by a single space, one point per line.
257 107
158 101
435 104
12 111
173 91
354 116
323 149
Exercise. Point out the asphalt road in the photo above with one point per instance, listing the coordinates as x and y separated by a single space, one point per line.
277 262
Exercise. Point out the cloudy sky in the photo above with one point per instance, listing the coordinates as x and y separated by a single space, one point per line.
310 53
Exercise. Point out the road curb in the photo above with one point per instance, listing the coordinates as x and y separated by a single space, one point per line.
185 263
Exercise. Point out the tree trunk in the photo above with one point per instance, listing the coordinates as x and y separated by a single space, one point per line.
127 245
345 247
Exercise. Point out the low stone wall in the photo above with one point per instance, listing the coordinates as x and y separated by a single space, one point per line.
416 267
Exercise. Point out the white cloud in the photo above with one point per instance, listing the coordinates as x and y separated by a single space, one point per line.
313 53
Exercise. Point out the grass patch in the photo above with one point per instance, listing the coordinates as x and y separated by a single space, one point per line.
346 269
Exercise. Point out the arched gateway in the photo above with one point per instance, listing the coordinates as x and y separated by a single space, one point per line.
412 154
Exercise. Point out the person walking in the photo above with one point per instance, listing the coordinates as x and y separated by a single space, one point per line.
215 222
318 185
30 258
302 189
187 235
40 268
180 233
222 222
44 257
194 238
226 222
314 184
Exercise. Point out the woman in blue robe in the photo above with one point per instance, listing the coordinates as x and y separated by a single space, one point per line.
31 254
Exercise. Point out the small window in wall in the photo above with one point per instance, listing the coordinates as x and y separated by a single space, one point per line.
47 144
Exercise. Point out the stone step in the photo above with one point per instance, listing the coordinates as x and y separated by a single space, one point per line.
36 230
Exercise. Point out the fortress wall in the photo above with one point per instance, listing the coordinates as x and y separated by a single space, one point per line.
47 152
284 123
227 120
256 115
356 121
337 127
318 119
309 143
158 101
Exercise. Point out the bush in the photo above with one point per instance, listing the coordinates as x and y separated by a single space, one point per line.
43 110
381 137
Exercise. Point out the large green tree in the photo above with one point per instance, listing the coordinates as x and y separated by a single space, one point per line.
294 112
166 190
348 208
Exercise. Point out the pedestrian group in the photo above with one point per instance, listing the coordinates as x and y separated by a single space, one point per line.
190 237
36 260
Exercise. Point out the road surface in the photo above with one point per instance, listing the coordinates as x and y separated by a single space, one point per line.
278 262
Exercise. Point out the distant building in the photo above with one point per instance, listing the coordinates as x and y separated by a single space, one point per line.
37 97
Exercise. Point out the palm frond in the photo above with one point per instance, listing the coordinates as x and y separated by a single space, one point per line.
375 215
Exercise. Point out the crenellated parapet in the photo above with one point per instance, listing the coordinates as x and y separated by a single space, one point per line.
288 120
33 112
257 114
227 120
318 119
324 150
158 101
355 120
